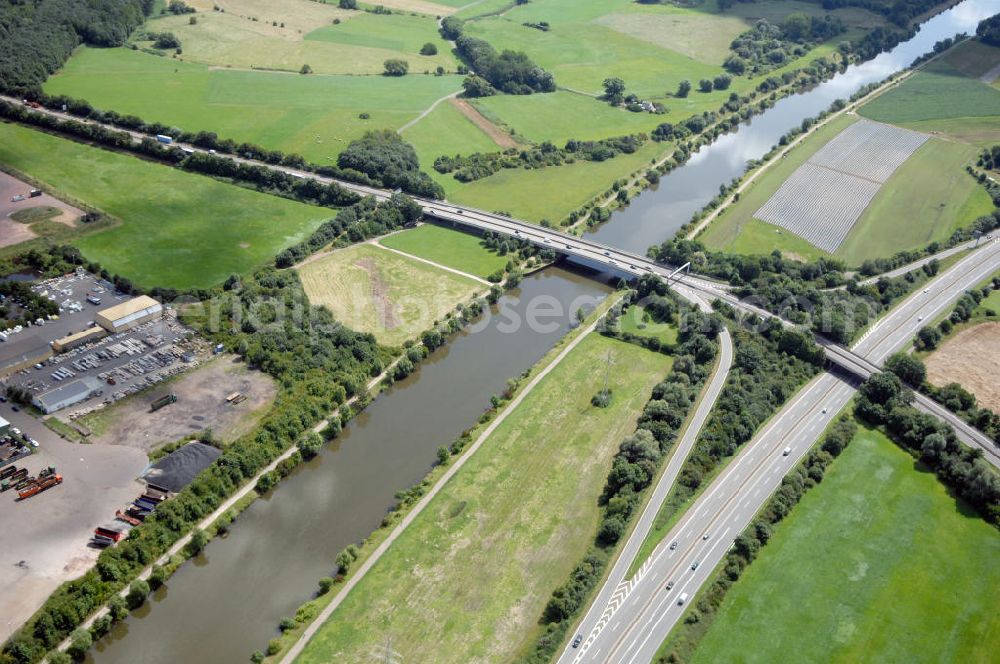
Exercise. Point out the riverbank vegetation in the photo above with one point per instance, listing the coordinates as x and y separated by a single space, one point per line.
834 550
493 521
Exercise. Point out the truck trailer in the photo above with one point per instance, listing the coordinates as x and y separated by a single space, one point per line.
163 138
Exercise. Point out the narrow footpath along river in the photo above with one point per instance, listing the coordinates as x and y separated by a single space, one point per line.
656 214
228 601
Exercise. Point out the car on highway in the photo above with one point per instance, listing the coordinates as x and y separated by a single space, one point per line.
705 536
670 585
577 640
683 598
824 410
786 451
607 253
673 545
694 565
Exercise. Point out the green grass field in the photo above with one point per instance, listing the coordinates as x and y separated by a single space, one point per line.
549 193
468 579
636 321
445 131
560 116
374 290
876 564
315 116
938 92
924 201
456 249
178 229
228 40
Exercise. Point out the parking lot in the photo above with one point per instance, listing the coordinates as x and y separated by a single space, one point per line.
116 366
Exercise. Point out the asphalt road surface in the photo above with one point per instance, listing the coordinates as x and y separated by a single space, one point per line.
646 610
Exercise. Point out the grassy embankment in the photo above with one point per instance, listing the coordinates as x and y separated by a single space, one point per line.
454 249
877 563
177 229
514 520
371 289
636 321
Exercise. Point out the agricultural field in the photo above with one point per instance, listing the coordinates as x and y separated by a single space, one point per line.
371 289
636 321
177 229
946 97
452 248
878 532
971 358
824 197
924 200
315 116
359 44
495 522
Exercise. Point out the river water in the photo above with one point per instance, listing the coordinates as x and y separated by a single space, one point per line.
657 214
228 601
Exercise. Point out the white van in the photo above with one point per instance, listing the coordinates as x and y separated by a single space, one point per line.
683 598
786 451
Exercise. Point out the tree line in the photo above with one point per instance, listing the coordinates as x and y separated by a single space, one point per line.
512 72
988 30
363 220
37 37
479 165
367 156
883 401
804 293
767 45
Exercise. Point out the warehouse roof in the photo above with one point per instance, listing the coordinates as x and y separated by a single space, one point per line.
77 390
70 338
129 307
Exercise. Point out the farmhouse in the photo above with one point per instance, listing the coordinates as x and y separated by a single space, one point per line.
128 314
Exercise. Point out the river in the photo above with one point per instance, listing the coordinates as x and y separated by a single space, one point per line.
228 601
657 214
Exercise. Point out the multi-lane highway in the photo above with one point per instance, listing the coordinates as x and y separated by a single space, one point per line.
631 628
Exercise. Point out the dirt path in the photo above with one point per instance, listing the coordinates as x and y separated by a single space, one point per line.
499 137
370 562
384 308
427 111
430 262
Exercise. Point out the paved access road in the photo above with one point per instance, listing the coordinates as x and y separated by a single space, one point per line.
647 611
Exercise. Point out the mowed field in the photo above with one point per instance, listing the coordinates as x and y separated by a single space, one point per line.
178 229
359 44
467 581
315 116
947 97
876 564
371 289
452 248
